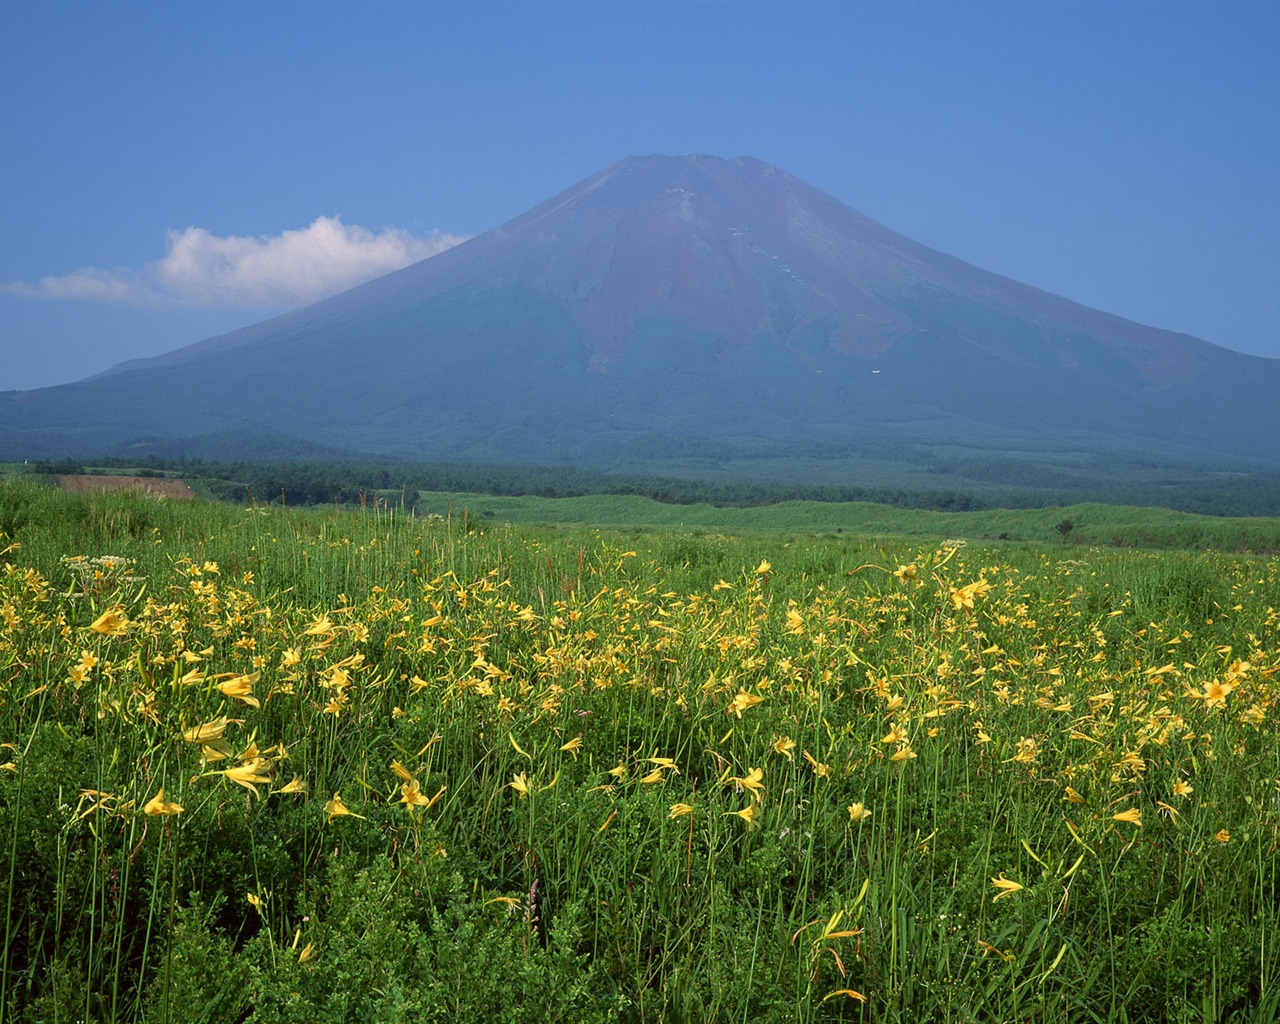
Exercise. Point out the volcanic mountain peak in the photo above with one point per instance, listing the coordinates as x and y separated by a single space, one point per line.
678 297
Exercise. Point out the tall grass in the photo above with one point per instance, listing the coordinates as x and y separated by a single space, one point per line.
268 765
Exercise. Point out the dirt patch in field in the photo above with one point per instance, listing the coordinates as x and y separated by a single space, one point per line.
156 487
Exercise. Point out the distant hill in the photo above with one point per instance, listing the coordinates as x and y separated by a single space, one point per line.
691 315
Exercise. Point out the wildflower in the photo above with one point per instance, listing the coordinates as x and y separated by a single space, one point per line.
1072 797
411 795
308 951
763 568
652 777
680 809
322 626
112 622
1027 750
895 735
903 753
521 785
241 688
335 808
1133 762
858 812
819 769
753 783
207 732
1133 816
1183 789
157 805
1006 886
1223 836
1168 809
1215 693
401 771
256 901
905 572
573 746
963 598
250 774
749 814
296 786
741 702
784 745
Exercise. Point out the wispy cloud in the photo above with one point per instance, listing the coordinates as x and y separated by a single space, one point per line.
239 271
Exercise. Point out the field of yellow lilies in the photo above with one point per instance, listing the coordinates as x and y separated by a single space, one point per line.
265 765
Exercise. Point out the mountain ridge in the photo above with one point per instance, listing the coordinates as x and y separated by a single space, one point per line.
680 297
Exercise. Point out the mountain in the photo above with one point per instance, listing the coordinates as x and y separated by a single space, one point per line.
680 311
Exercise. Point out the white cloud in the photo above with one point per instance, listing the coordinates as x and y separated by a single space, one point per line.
280 271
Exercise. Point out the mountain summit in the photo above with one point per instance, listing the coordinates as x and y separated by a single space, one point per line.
670 302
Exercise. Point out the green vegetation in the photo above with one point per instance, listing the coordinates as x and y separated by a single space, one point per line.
722 474
264 764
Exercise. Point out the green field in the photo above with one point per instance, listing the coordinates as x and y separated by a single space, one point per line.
271 765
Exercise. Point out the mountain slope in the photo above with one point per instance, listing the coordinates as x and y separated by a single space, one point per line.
669 299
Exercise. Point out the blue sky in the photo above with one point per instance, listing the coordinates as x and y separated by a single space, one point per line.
174 171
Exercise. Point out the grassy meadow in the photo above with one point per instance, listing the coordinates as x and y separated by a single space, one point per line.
269 765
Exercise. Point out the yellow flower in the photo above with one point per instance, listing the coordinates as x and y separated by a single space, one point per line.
250 774
296 786
905 572
858 811
754 782
112 622
904 753
1182 788
241 688
819 769
521 785
784 745
652 777
679 809
763 568
335 808
749 814
411 795
847 992
320 627
157 805
208 731
401 771
895 735
256 901
308 951
1133 816
1223 836
1072 796
741 702
963 598
573 746
1006 886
